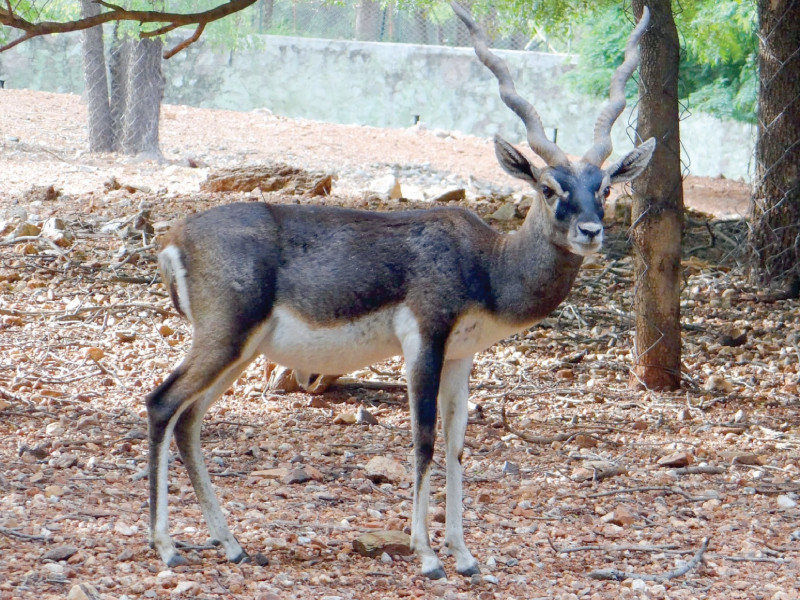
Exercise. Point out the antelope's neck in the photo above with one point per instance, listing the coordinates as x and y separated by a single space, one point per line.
534 275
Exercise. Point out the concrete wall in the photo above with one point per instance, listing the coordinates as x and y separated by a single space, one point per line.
384 85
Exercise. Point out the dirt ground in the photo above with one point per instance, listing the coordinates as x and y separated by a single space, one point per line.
568 471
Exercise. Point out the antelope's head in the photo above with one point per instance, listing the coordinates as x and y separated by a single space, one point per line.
573 192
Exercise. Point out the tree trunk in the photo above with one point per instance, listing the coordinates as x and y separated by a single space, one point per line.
368 20
101 131
119 60
657 212
775 207
145 89
267 10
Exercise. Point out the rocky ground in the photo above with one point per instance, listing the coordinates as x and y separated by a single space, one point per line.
569 473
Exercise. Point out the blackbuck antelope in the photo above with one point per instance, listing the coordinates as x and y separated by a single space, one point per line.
329 290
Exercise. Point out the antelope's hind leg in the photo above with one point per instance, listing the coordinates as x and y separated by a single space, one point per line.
178 405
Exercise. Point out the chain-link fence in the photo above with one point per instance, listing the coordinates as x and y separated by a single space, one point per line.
370 20
775 219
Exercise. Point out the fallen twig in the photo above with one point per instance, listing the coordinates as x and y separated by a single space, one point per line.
617 575
765 559
540 439
647 488
667 549
700 470
25 536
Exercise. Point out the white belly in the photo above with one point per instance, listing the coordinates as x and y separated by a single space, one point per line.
289 340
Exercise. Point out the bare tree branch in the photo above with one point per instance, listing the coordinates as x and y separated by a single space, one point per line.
187 42
617 575
118 13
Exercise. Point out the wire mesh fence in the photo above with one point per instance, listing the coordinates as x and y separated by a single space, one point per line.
774 240
370 20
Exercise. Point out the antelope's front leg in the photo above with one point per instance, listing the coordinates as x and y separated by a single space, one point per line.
423 369
453 397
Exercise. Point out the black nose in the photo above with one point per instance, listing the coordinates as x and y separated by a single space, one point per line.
590 231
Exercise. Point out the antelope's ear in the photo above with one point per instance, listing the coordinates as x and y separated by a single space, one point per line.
514 162
632 164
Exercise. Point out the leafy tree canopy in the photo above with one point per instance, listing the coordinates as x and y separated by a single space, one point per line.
718 58
719 44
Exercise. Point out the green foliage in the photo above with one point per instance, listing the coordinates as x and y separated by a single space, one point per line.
718 58
718 68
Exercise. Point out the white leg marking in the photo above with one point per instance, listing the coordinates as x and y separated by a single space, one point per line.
192 455
170 263
160 529
453 396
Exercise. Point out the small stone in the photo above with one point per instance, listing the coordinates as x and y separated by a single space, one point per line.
53 491
565 374
54 569
365 417
623 516
278 473
282 378
83 591
25 229
126 530
785 501
56 230
65 461
344 419
490 579
374 544
505 213
510 468
54 429
385 558
59 553
744 458
382 469
457 195
298 475
318 402
186 587
676 460
585 441
125 336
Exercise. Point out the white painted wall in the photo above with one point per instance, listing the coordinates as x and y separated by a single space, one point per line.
385 85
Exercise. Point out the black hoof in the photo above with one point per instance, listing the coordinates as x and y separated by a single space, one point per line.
437 573
177 561
469 571
243 558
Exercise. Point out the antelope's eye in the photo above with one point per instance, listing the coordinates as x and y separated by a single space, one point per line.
547 192
606 192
